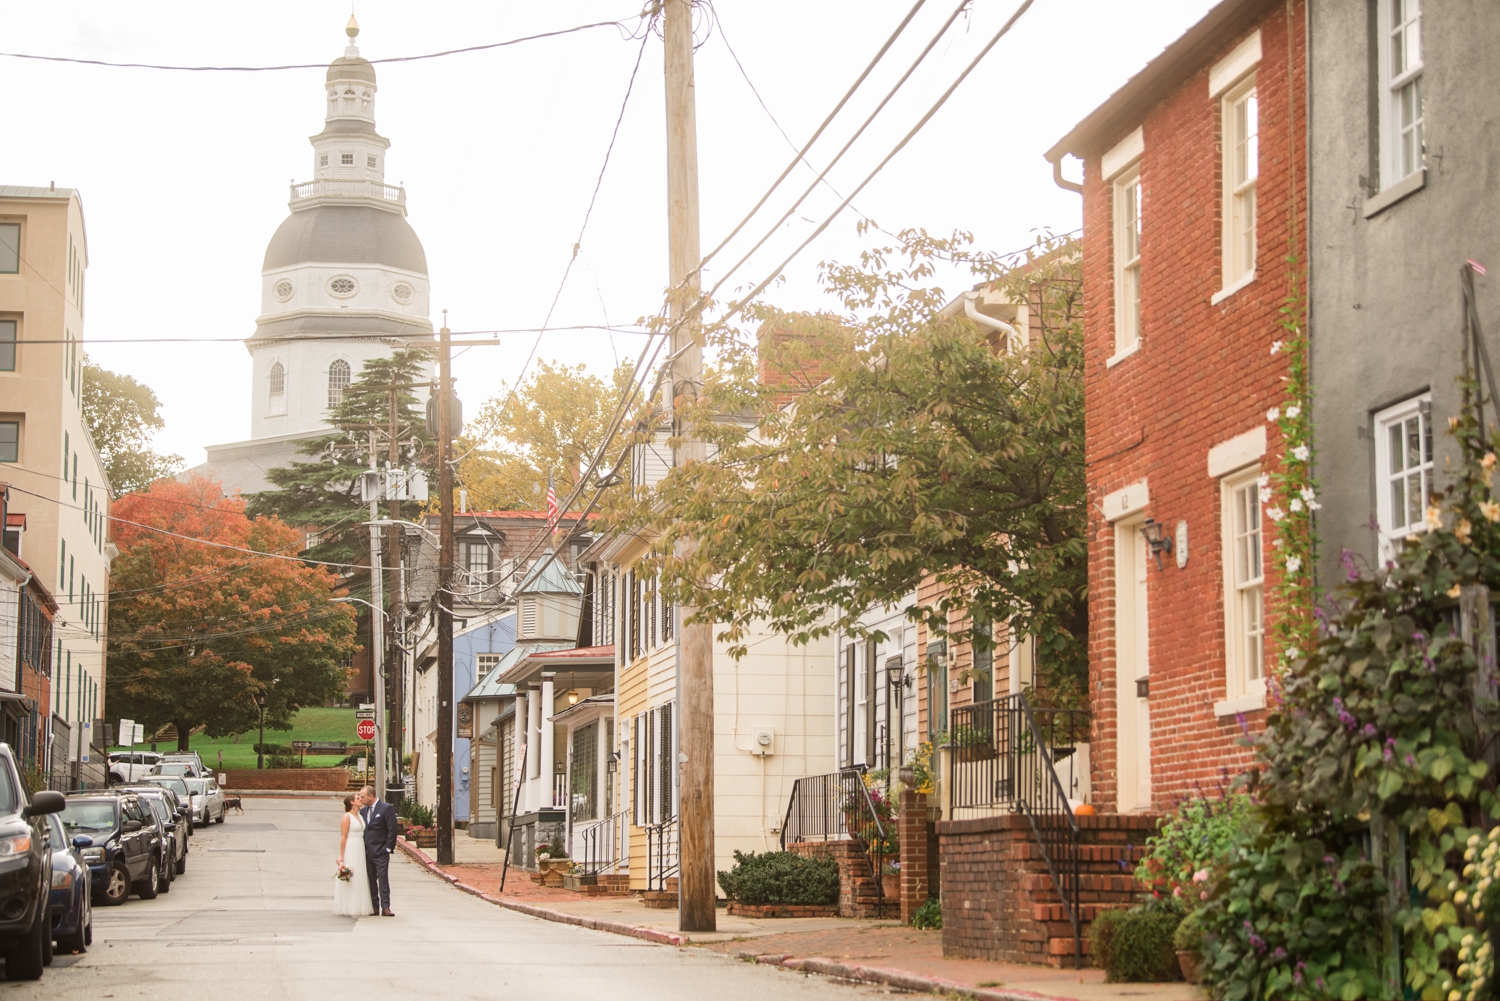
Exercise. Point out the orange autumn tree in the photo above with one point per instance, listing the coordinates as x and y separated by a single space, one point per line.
196 630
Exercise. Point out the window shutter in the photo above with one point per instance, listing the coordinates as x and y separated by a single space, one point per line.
668 764
653 763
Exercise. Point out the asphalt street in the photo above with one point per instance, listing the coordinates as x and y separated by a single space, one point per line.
252 919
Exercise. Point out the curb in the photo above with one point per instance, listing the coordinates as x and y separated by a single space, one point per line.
287 793
811 964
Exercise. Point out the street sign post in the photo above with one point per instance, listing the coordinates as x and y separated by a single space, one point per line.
366 729
301 747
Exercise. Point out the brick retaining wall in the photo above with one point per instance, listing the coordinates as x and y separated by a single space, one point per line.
858 897
302 779
999 902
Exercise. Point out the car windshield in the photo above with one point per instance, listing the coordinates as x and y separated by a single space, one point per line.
55 833
154 804
89 815
172 782
174 768
195 786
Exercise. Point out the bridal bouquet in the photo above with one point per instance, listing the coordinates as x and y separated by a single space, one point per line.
344 873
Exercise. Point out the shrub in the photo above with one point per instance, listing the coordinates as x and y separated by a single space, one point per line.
1189 934
929 915
284 761
416 813
270 748
781 878
1135 946
1193 844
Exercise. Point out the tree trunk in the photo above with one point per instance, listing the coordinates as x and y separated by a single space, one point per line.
184 732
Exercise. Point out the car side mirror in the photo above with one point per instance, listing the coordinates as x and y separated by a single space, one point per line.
130 826
82 841
46 802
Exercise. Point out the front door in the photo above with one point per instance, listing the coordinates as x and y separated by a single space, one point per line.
1132 668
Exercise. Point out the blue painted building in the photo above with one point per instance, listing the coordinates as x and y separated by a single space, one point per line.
493 637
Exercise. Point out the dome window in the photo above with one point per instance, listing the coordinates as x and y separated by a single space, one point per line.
402 293
343 286
283 290
323 160
347 159
338 381
370 161
277 398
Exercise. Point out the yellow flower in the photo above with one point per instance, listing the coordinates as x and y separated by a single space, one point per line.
1488 462
1434 517
1490 510
1453 591
1462 531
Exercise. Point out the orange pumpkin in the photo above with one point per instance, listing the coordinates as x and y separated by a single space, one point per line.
1084 810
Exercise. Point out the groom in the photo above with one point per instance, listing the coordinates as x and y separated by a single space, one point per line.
380 841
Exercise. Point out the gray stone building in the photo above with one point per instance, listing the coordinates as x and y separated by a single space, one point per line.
1404 185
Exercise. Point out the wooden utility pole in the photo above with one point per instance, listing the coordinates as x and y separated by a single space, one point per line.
445 605
695 676
377 633
395 740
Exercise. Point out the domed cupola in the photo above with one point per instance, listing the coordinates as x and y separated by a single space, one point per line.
345 276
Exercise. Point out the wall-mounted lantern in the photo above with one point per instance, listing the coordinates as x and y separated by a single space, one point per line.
1157 538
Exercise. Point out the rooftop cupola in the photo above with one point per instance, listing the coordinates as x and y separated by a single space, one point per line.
351 83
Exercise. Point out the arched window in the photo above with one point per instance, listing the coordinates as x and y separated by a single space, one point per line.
338 381
278 391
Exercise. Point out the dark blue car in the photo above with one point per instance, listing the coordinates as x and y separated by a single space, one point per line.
72 902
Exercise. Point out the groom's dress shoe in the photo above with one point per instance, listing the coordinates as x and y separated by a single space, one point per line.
387 914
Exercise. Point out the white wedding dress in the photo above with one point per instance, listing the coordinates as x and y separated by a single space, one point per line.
353 897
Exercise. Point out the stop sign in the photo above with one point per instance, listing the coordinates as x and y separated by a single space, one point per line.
366 729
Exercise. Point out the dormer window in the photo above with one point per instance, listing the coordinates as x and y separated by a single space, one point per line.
347 159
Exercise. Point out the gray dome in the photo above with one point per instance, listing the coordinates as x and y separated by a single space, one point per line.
351 68
346 234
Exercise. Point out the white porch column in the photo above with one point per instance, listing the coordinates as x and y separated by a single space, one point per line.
548 750
534 749
523 745
601 774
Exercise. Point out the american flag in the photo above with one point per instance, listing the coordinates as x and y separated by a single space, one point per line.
551 503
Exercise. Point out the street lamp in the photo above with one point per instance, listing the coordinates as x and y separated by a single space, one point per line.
260 749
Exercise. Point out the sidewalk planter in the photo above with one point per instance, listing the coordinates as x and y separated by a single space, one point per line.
1191 965
553 870
890 887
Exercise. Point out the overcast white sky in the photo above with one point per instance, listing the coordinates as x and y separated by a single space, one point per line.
183 175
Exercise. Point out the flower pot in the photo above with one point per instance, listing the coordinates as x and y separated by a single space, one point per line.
890 885
976 752
1192 966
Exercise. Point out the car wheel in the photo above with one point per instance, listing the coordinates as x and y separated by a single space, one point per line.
47 944
29 956
79 940
116 885
223 811
181 865
164 878
88 930
150 883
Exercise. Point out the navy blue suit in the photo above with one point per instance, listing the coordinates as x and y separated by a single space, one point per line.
380 841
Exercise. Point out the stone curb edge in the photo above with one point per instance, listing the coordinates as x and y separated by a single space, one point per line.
811 964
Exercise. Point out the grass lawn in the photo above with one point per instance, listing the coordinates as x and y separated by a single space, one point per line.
313 723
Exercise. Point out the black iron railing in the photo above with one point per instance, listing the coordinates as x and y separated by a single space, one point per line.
661 854
838 807
1008 754
596 846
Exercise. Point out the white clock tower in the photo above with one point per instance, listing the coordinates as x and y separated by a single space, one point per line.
344 280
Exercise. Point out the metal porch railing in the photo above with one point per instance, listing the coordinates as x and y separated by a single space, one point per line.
1007 753
661 854
596 846
837 807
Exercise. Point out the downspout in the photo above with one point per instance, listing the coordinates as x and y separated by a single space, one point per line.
1012 336
1061 181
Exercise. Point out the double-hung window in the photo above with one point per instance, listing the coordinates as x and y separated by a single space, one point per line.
478 559
10 441
276 396
7 345
1399 35
10 248
1244 585
1241 171
1127 191
1403 470
484 664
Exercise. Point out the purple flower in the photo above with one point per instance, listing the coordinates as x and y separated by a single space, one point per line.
1370 730
1411 762
1279 954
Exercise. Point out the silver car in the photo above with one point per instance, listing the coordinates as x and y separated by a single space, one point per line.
177 786
207 799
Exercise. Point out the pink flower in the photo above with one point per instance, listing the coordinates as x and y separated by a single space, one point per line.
1201 876
1203 895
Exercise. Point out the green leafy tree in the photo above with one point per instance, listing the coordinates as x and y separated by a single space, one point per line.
196 630
859 453
123 417
554 422
323 493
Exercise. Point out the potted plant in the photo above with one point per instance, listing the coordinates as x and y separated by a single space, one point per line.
425 837
971 743
890 880
1188 941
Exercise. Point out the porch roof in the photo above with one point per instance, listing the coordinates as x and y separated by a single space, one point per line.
492 687
586 710
572 665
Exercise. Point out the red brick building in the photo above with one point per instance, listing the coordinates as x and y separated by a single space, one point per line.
1193 197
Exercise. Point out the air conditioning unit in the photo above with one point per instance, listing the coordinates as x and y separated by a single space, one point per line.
763 741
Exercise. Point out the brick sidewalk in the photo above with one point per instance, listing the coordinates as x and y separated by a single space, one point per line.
871 951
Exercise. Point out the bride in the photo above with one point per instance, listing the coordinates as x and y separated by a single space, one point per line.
352 896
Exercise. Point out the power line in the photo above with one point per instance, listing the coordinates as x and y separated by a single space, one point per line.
322 66
629 329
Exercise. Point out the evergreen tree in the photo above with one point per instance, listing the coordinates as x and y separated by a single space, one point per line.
322 494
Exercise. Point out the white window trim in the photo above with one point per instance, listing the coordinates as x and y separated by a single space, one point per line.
1383 420
1123 346
1239 689
1229 239
1386 87
1126 501
1242 59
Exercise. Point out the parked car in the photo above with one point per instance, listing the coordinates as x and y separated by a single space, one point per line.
177 785
25 873
128 766
208 799
72 903
186 758
124 850
173 834
174 827
182 769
